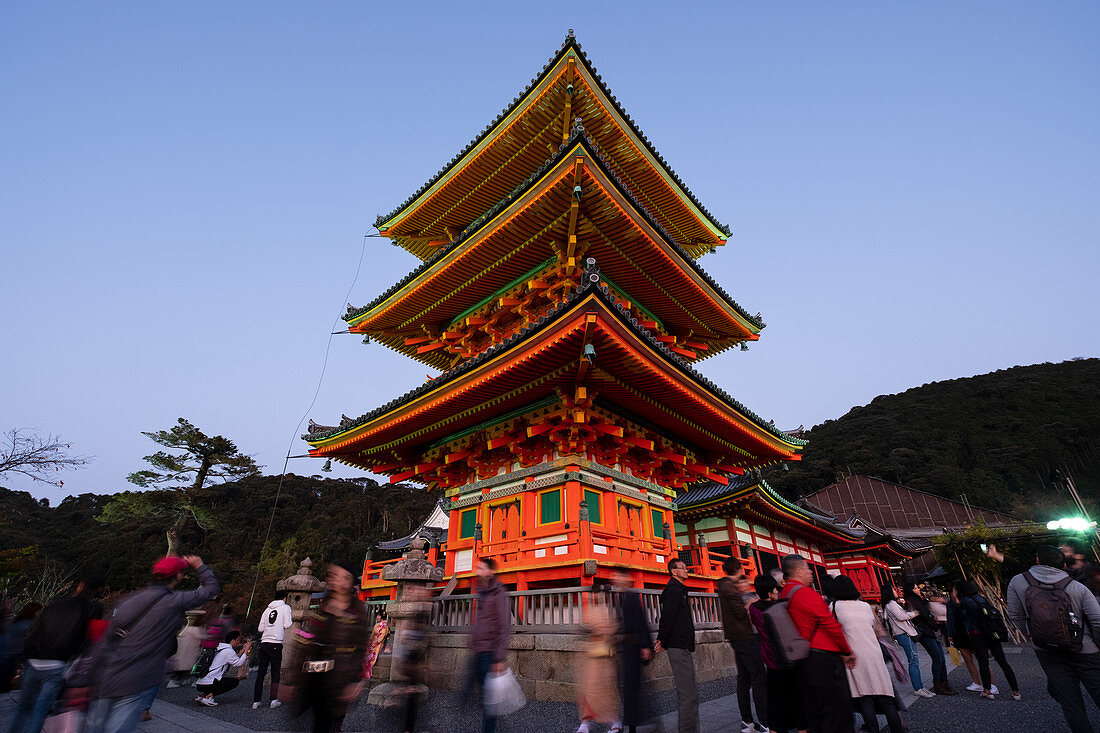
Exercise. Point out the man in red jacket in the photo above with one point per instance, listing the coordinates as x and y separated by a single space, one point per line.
822 677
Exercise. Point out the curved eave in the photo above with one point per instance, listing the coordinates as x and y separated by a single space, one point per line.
782 446
527 195
778 509
882 548
538 86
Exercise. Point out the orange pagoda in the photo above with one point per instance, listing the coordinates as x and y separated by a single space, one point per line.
559 294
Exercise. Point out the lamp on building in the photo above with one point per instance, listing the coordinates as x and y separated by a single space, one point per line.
590 353
327 468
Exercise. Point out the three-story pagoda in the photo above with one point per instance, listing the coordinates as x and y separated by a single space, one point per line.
560 295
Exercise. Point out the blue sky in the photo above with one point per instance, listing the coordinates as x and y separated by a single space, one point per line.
912 187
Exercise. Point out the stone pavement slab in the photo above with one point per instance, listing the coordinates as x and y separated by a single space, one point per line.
176 712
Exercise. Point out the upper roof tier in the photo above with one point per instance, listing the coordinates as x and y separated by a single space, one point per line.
520 140
573 197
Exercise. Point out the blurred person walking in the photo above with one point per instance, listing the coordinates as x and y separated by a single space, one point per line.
132 657
733 589
821 676
978 619
676 634
56 638
325 668
869 680
786 708
1079 567
597 678
412 667
274 621
232 654
635 645
14 643
492 629
1063 620
188 642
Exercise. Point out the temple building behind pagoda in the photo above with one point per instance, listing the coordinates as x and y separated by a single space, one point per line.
560 294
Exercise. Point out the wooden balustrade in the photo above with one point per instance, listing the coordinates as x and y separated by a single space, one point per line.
556 610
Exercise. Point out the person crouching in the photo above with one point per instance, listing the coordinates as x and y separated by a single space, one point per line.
232 653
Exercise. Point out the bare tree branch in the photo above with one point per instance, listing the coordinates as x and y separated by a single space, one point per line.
37 457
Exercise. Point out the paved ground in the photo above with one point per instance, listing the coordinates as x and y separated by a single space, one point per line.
176 712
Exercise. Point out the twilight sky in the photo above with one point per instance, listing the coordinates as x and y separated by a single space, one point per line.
184 190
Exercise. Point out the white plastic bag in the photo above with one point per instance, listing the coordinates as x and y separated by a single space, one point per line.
503 694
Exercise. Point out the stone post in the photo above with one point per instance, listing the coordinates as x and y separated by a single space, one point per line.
413 574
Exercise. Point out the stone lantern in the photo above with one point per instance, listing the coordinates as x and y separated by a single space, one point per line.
299 588
412 573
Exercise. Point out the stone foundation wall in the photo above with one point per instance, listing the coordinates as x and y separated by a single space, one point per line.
545 664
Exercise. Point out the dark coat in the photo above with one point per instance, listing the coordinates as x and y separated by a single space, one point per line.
633 627
60 631
676 630
735 617
136 662
329 635
493 623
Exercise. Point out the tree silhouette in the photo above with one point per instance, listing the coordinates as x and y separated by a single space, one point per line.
40 458
197 459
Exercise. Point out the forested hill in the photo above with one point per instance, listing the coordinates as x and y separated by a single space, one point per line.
321 518
994 437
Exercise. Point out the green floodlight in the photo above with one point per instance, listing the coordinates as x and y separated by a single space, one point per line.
1073 524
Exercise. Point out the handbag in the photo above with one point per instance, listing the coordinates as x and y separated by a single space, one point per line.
503 694
894 656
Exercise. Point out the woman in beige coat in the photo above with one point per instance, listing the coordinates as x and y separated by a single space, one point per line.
869 680
597 675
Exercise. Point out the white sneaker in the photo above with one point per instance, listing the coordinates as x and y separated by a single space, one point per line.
171 684
974 687
748 728
255 706
922 692
993 689
275 704
208 701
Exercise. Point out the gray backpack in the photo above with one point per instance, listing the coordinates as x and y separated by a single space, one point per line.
790 647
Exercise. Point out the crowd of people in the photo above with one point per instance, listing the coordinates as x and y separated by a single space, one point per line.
807 658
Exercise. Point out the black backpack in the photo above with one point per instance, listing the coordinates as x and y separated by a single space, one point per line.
1050 618
202 664
991 624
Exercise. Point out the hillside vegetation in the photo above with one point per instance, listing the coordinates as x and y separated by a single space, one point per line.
995 438
324 519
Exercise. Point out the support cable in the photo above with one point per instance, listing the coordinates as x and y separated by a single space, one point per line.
294 437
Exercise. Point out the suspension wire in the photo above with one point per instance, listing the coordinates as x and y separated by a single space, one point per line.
294 437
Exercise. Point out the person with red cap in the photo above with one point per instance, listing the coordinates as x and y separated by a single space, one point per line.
139 641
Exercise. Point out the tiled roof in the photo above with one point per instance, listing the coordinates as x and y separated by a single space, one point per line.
577 135
569 42
704 493
320 432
